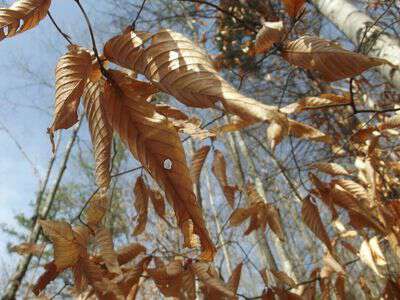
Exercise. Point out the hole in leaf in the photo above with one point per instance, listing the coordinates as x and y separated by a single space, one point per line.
168 164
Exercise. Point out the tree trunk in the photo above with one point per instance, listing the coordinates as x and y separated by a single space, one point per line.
22 267
354 23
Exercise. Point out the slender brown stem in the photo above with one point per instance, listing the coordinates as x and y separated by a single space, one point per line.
64 35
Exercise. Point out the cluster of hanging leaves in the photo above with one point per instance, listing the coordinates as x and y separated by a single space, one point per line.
116 102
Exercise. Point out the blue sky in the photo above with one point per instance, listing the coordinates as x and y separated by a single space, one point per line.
27 64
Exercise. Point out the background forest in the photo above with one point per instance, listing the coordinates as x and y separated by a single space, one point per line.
300 209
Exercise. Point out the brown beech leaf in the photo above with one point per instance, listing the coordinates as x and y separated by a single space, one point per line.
105 242
141 192
66 248
320 102
270 33
171 112
327 59
133 275
376 251
340 289
154 142
274 221
235 124
193 128
28 248
330 168
48 276
96 209
100 130
158 202
293 7
178 67
72 71
129 252
200 269
234 280
219 170
29 12
311 217
240 215
198 161
283 278
304 131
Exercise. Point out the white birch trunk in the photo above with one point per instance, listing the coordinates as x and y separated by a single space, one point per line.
353 23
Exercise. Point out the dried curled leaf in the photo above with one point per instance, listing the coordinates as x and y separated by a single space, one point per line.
275 133
274 221
270 33
30 12
100 130
330 61
366 256
200 269
66 248
104 241
154 142
72 71
28 248
158 202
198 161
129 252
141 205
330 168
284 278
48 276
219 170
311 217
178 67
293 7
304 131
96 209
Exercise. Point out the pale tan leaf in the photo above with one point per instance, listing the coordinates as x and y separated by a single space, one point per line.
66 249
180 68
331 265
367 258
158 202
320 102
283 278
327 59
270 33
29 12
129 252
304 131
141 205
200 269
198 161
275 133
105 242
100 130
330 168
311 217
193 128
219 170
72 71
376 251
293 7
235 124
274 221
28 248
354 188
96 209
154 142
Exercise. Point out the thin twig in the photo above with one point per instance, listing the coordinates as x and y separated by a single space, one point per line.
64 35
138 15
94 46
